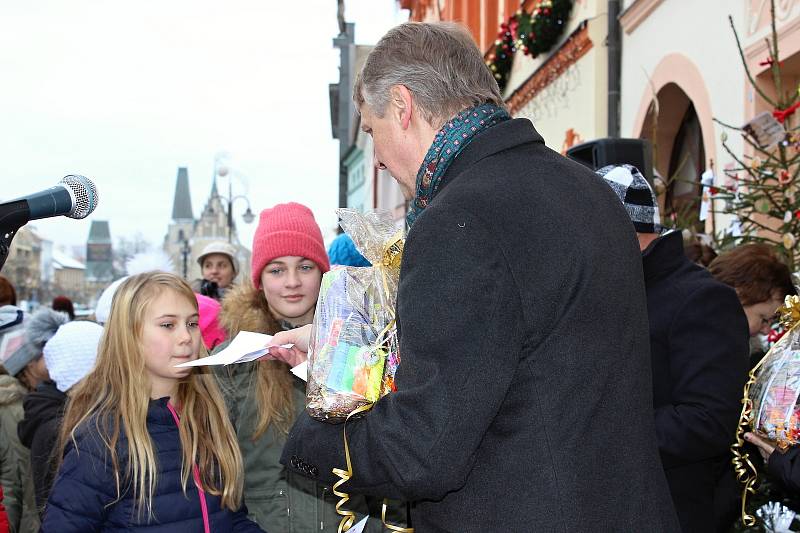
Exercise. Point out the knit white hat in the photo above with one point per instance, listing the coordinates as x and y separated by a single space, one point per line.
103 307
70 353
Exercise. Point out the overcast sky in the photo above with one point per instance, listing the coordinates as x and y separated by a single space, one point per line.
126 92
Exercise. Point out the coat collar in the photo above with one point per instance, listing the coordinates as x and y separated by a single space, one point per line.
503 136
663 256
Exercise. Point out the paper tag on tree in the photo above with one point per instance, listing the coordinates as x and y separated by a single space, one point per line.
765 130
707 181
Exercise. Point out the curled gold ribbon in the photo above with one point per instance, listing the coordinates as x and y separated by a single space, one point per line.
746 472
389 266
349 517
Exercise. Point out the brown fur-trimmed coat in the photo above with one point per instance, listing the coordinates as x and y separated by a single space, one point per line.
277 499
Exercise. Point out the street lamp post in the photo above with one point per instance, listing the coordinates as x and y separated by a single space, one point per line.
248 215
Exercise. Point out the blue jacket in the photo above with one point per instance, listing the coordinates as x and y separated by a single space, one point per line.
83 495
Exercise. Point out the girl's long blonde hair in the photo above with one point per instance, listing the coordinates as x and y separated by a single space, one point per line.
115 396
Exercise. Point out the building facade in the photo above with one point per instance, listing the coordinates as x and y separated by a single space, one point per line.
186 236
661 70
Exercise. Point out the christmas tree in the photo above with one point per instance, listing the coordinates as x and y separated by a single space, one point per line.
763 191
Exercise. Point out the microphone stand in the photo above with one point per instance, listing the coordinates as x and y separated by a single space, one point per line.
13 216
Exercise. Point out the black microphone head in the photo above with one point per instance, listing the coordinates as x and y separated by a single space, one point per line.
83 192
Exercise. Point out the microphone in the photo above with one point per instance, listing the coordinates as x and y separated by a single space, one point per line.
73 196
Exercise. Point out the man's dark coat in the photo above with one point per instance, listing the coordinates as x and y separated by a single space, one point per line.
524 398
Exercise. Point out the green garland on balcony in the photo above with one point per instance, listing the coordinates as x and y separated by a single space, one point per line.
534 33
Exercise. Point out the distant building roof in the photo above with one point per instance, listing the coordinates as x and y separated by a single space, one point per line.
99 232
62 260
182 204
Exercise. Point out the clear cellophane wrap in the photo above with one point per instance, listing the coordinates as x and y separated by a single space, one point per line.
353 352
771 402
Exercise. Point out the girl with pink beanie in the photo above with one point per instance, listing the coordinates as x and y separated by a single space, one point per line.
287 264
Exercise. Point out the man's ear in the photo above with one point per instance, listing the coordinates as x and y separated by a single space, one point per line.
401 103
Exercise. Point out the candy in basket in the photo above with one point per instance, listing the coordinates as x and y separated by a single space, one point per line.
353 352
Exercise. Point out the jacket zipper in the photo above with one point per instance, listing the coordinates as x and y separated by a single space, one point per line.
196 472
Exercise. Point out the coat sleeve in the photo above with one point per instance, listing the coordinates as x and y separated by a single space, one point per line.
10 479
708 358
83 489
242 524
421 441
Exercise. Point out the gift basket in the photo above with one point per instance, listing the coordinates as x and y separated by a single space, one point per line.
353 352
771 403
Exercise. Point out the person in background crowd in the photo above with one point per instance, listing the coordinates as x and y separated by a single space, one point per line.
148 446
15 462
213 335
761 281
264 397
783 464
524 392
64 304
219 268
699 351
69 354
697 250
12 334
3 516
343 251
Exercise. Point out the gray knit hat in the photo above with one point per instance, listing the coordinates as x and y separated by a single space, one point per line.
39 328
636 195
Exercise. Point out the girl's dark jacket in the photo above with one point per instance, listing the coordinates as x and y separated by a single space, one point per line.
84 497
38 430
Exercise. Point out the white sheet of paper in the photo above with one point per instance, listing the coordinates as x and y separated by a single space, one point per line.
301 371
359 527
247 346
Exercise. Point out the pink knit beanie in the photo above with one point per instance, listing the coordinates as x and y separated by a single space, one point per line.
287 229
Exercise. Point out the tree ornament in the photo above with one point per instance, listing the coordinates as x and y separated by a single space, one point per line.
789 241
784 177
762 206
787 217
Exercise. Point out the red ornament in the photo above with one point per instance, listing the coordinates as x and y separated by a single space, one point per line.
784 178
775 335
797 214
782 114
713 190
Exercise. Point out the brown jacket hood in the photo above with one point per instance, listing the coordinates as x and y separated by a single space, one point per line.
245 309
11 390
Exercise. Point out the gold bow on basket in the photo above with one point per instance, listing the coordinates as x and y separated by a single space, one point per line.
746 472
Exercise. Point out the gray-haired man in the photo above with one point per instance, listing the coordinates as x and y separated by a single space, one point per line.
523 398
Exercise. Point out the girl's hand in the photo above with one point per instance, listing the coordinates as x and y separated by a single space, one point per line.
296 354
764 447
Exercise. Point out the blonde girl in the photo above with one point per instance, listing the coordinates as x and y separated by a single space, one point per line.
148 446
